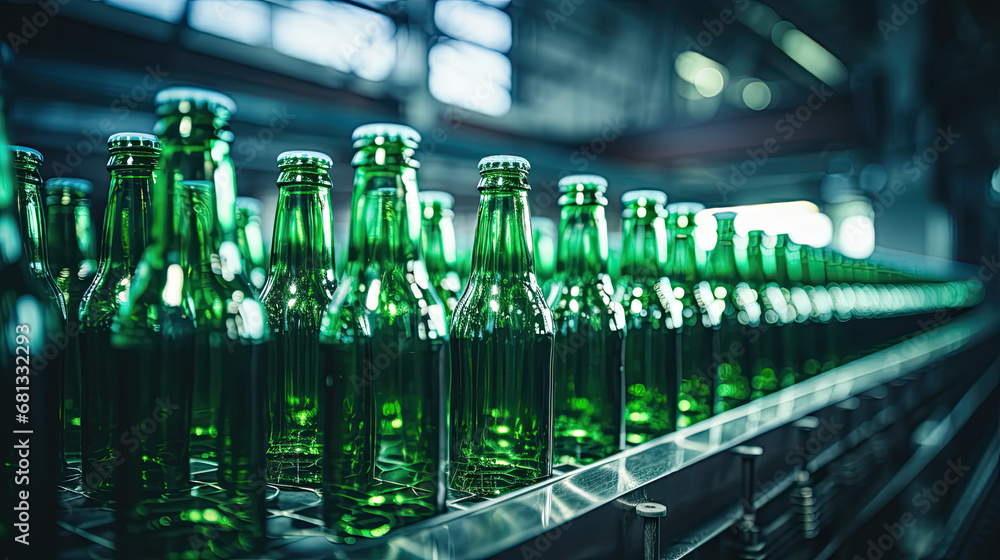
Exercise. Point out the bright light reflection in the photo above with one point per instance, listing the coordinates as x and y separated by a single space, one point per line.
166 10
470 76
810 55
244 21
757 95
474 22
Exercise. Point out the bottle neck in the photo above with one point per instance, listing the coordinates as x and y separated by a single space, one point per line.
749 260
32 220
773 259
197 232
165 239
722 261
644 247
439 245
69 231
371 184
127 219
197 152
303 233
248 234
681 257
583 242
502 246
815 265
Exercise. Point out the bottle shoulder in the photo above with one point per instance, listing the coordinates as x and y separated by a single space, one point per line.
102 299
489 303
388 299
297 302
592 301
157 302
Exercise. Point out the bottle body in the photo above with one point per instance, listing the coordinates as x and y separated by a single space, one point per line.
30 212
126 234
72 258
29 321
588 375
502 339
296 297
385 347
652 379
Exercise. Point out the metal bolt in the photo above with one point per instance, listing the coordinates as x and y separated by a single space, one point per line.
651 512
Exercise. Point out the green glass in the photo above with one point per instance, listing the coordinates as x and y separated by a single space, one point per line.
193 124
72 261
587 375
779 313
153 341
231 329
127 226
722 297
229 416
759 340
438 243
502 338
296 297
33 231
809 297
385 343
544 234
251 241
652 379
31 381
820 269
697 392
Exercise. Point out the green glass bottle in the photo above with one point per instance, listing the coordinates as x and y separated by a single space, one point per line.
439 246
152 345
721 295
251 241
231 329
72 261
587 376
133 161
296 298
193 124
33 231
697 392
231 358
385 346
779 312
652 379
31 321
755 323
502 347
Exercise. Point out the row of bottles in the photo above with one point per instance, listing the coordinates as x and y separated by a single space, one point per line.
387 385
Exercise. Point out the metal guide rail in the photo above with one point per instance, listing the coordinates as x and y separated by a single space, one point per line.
592 512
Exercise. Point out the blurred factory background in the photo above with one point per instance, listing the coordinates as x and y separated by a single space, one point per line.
882 112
